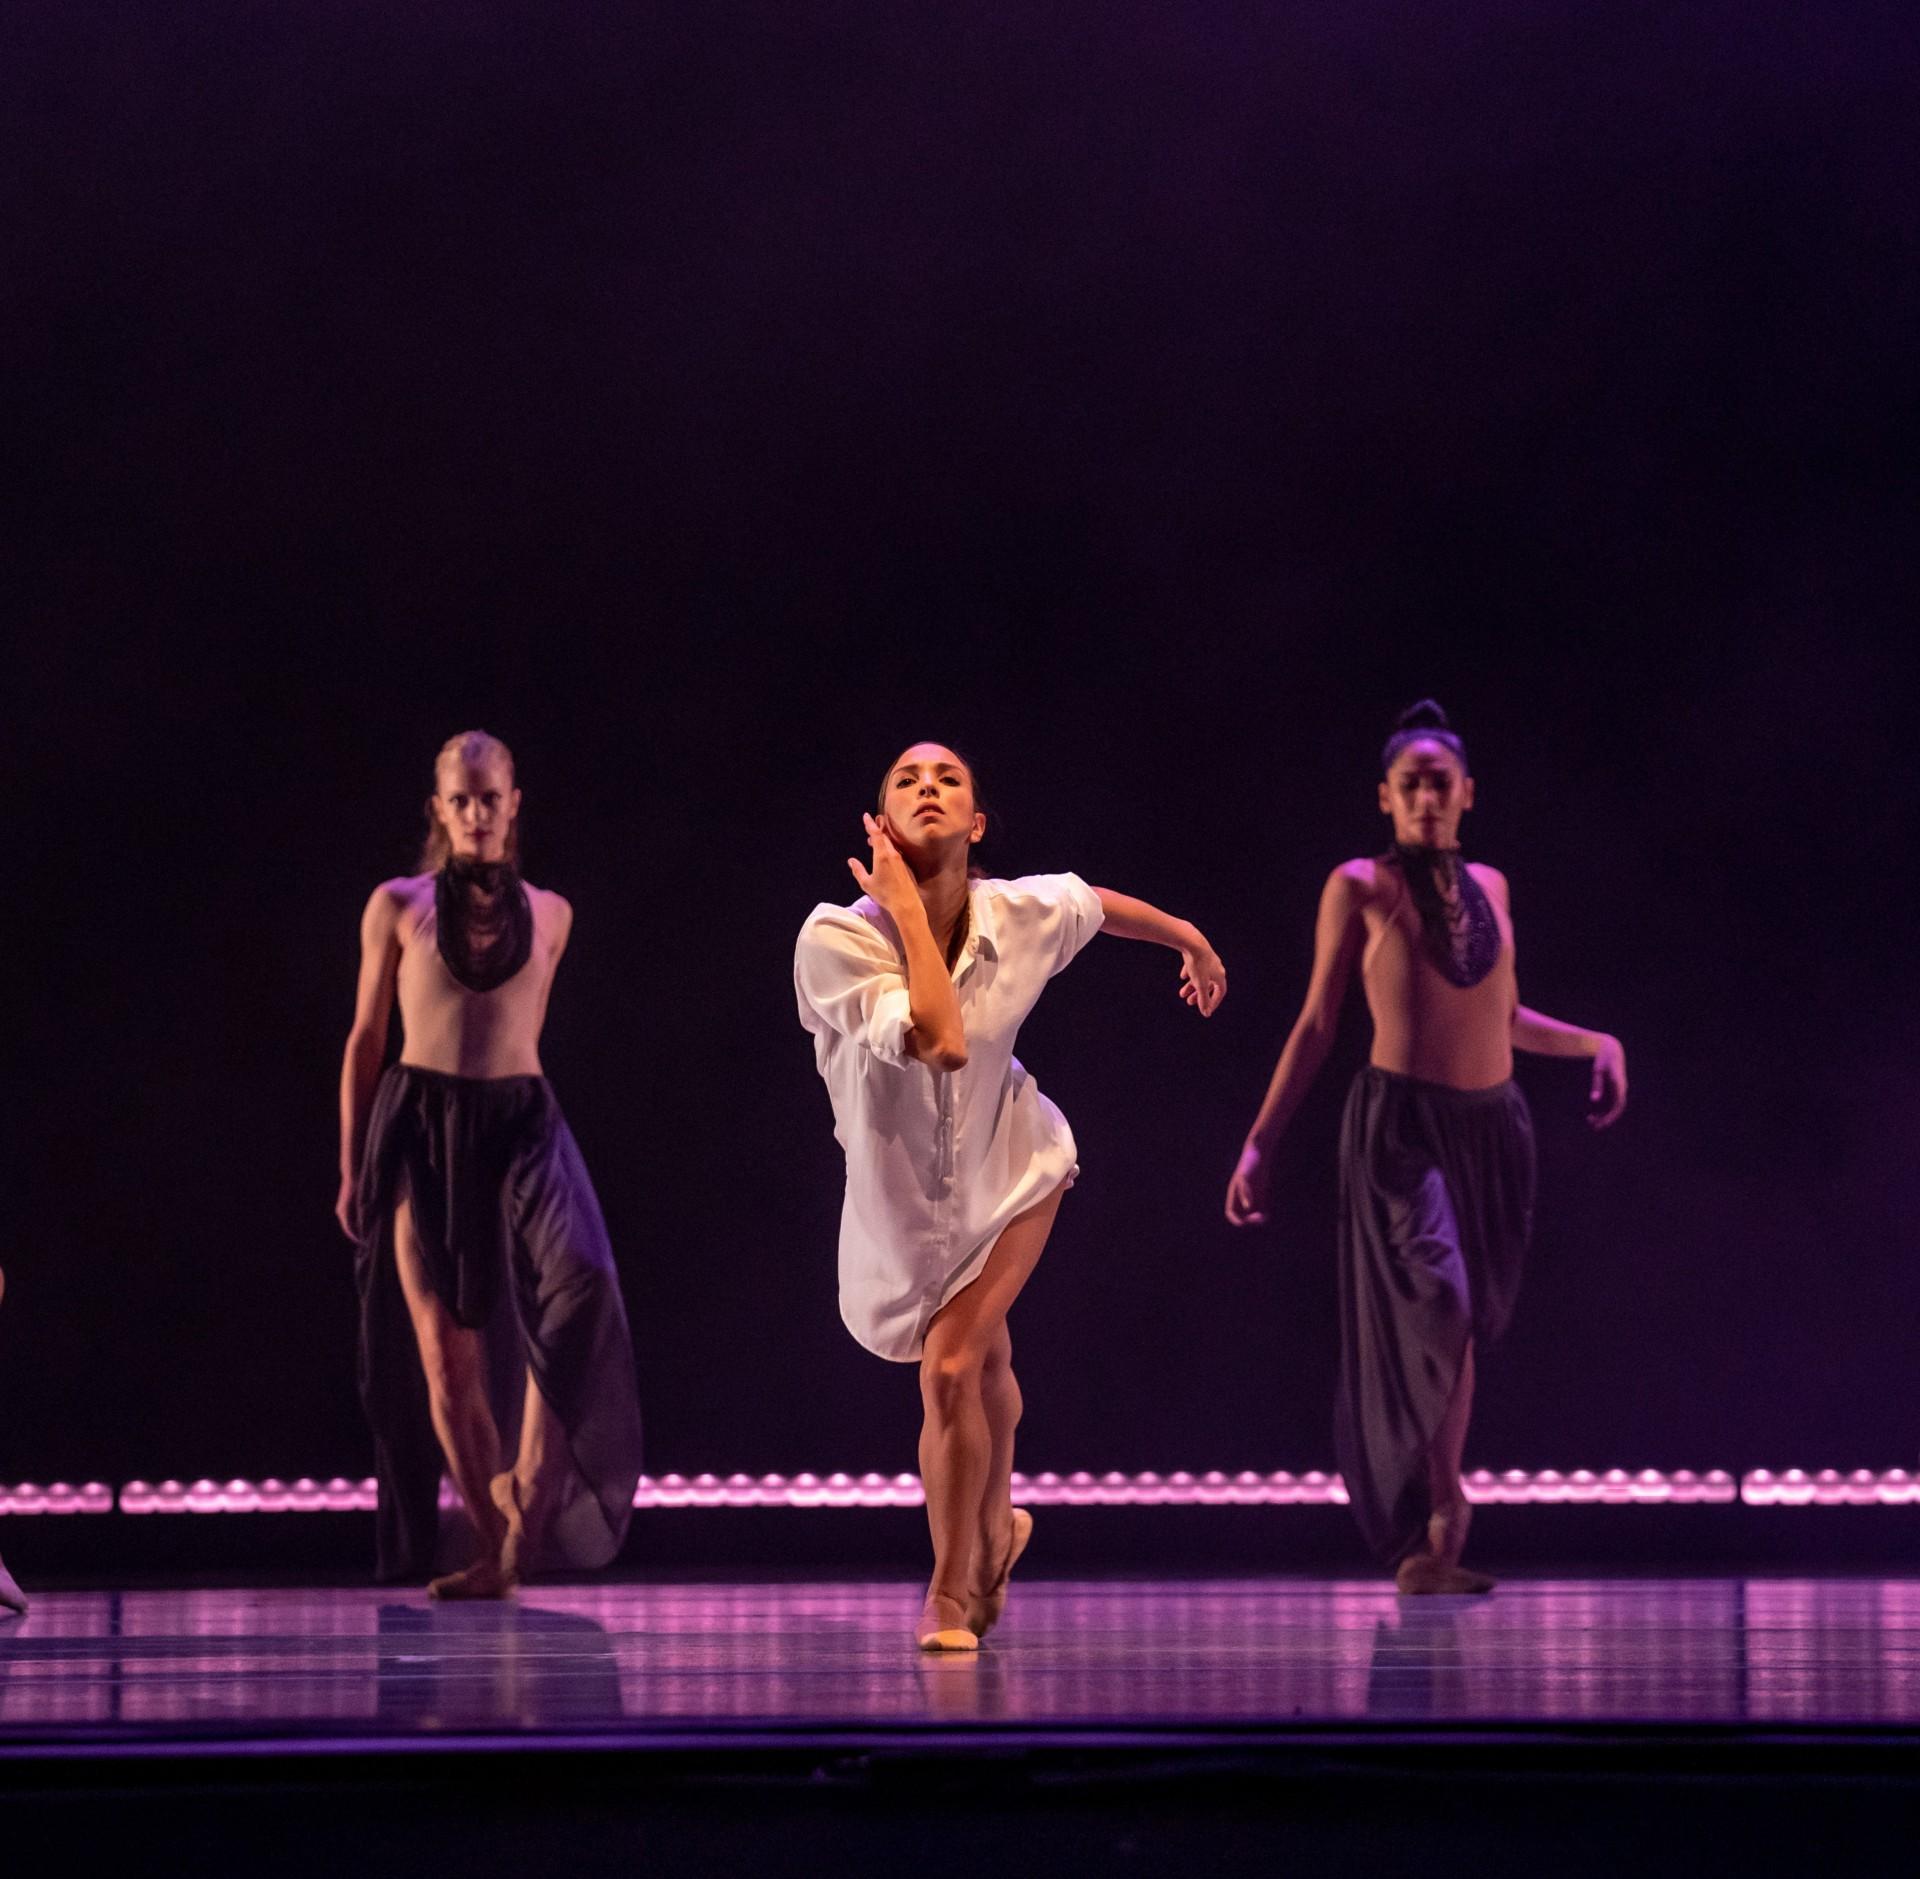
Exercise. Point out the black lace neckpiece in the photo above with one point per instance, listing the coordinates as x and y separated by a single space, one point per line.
484 922
1462 932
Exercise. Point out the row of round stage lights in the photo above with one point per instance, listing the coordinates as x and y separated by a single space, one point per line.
1793 1487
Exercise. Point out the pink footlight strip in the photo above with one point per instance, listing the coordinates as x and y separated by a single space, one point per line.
1830 1488
93 1497
1615 1487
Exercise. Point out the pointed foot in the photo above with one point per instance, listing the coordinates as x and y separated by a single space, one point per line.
943 1627
516 1550
984 1608
484 1579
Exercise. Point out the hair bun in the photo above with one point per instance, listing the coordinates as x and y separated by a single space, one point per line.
1424 716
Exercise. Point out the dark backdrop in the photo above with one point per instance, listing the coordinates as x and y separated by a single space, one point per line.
1151 399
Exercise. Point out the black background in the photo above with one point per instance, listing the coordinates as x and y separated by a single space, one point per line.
1150 400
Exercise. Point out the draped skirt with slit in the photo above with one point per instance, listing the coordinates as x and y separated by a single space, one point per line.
513 1244
1436 1207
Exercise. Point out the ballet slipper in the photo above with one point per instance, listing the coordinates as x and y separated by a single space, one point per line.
484 1579
943 1626
984 1608
13 1601
1422 1575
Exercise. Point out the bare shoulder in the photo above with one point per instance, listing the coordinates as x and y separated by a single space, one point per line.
1492 880
391 901
550 910
1352 884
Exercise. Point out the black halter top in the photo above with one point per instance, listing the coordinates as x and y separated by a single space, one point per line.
1461 930
484 922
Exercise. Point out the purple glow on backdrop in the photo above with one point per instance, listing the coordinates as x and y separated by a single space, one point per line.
1615 1487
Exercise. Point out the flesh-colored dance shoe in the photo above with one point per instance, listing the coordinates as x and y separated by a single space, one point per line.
943 1627
1438 1569
485 1578
984 1608
1423 1575
13 1601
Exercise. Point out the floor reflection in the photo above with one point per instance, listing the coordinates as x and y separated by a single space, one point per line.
518 1666
1416 1661
1074 1653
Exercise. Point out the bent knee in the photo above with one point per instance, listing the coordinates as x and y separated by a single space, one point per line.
950 1377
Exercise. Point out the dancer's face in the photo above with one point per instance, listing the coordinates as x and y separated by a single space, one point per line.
1426 793
476 804
928 803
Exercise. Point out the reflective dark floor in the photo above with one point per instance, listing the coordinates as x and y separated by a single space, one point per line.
1082 1655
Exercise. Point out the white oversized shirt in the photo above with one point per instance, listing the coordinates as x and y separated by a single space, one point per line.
938 1161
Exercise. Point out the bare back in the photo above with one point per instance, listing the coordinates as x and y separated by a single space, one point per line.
466 1033
1424 1025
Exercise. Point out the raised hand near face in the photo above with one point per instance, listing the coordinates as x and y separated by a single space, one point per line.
887 878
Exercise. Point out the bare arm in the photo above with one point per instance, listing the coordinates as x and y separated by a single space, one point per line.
1337 935
1203 979
1551 1037
367 1041
937 1037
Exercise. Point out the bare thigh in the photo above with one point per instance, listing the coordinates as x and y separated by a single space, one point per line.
977 1315
443 1339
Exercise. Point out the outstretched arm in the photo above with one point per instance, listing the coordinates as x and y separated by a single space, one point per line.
1203 979
1337 934
367 1041
1550 1037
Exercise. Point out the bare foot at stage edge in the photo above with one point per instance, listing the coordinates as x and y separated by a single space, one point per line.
1438 1569
484 1579
13 1601
943 1626
984 1608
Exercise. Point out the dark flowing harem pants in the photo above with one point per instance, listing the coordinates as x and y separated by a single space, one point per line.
1436 1205
513 1243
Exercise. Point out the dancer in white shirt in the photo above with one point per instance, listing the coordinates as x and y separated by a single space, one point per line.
955 1161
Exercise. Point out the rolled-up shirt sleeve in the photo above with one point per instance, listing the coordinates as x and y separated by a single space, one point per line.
848 978
1058 913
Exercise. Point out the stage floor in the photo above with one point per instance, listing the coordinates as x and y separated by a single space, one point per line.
678 1666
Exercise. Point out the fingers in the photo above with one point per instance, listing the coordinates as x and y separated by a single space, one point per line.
1241 1211
1202 989
861 875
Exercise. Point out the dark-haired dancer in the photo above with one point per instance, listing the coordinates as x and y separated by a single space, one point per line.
955 1161
13 1601
1436 1151
481 1246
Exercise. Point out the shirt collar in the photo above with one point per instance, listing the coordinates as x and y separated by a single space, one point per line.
982 933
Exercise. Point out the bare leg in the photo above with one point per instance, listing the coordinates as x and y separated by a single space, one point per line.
524 1493
957 1448
1004 1528
1437 1568
454 1363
